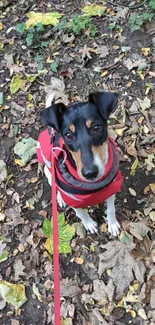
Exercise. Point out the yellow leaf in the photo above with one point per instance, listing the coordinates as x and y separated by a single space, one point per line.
30 96
142 314
36 292
17 83
32 180
135 286
13 293
1 26
133 313
146 189
152 187
50 18
90 49
67 321
132 192
19 162
141 74
145 51
92 248
134 167
145 129
120 131
147 90
94 10
78 260
48 60
152 215
103 227
103 74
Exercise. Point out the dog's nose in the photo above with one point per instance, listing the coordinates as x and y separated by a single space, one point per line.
90 173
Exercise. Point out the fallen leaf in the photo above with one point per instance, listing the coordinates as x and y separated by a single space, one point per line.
69 288
152 215
13 293
145 51
4 253
66 233
1 98
132 191
78 260
103 74
118 257
49 18
94 10
103 293
142 314
18 268
152 300
134 109
147 189
134 167
132 150
36 292
145 103
25 149
67 321
13 216
138 229
3 171
152 186
152 73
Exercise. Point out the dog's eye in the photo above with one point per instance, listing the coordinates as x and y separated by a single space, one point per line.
97 128
68 136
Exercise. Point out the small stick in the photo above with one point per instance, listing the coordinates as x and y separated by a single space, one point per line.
43 6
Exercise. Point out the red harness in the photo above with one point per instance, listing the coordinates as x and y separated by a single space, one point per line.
74 191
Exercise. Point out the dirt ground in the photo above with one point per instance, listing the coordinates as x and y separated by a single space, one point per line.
109 60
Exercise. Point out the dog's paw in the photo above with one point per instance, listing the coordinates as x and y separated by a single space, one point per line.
114 228
60 201
90 225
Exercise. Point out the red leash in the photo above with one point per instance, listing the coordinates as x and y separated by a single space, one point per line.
54 221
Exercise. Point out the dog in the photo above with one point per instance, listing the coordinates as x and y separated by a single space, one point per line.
86 158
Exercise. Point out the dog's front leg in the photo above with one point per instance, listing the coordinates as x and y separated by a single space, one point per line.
88 222
113 225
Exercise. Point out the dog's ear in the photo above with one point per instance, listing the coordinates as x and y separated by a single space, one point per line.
52 115
105 101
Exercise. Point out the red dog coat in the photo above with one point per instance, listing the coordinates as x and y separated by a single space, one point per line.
76 192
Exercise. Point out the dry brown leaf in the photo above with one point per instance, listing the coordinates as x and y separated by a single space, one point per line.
18 268
69 288
138 229
103 292
132 151
118 257
152 300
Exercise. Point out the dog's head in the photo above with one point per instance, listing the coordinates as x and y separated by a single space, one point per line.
83 127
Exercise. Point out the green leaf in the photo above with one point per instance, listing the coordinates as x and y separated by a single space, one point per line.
13 293
4 256
44 44
20 27
29 39
40 27
50 18
54 66
1 98
17 83
40 66
152 4
47 228
66 233
25 149
94 10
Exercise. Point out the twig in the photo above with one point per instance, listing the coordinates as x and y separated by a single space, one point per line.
43 6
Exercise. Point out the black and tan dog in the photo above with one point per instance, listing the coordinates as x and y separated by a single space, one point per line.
86 158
